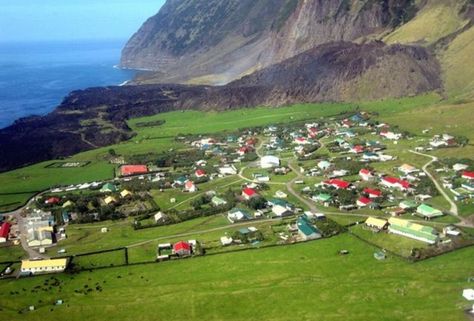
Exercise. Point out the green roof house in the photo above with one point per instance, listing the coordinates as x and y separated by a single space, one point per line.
217 201
108 188
306 230
407 204
428 211
413 230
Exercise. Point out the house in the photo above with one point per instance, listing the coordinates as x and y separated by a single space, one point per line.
125 193
460 167
306 230
281 211
243 150
52 200
370 156
363 201
337 183
128 170
217 201
228 170
301 141
407 204
339 173
68 204
226 240
180 181
280 194
182 249
322 198
108 188
190 187
110 200
427 211
468 175
366 175
413 230
407 169
43 266
393 182
376 223
468 294
238 214
468 186
259 177
269 161
200 173
249 193
159 217
357 149
372 193
4 232
324 165
390 135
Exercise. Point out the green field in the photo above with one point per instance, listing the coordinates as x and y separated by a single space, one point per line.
19 185
302 282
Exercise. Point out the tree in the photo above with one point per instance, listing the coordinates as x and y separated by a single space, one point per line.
257 203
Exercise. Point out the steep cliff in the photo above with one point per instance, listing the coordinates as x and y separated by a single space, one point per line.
215 41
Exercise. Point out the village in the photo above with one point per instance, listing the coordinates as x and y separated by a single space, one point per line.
274 185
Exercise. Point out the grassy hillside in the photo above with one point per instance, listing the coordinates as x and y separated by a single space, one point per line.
457 66
437 19
283 283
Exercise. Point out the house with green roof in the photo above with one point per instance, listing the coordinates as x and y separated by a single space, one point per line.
306 230
108 188
217 201
414 231
323 198
407 204
427 211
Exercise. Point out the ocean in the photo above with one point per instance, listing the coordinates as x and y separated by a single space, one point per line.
35 77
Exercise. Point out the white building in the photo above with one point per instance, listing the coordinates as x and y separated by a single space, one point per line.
269 161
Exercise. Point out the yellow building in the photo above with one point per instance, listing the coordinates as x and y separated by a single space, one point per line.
43 266
125 193
110 200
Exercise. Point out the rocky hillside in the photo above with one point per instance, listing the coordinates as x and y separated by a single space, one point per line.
97 117
216 41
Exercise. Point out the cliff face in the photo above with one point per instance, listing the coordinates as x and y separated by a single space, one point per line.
216 41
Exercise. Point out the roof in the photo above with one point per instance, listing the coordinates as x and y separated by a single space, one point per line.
189 184
339 183
109 200
428 210
200 172
365 171
108 187
305 227
323 197
126 170
5 230
181 245
413 228
53 200
408 204
249 191
371 191
468 174
27 264
396 181
364 200
377 222
125 193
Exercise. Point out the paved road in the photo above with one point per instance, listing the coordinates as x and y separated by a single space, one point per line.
454 207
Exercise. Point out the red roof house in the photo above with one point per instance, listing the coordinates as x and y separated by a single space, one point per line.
182 248
468 175
366 174
190 187
249 193
200 173
363 201
4 231
127 170
52 200
337 183
357 149
372 193
394 182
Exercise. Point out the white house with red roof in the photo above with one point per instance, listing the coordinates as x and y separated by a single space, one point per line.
372 193
468 175
4 232
393 182
182 248
363 201
357 149
337 183
190 187
243 150
200 173
128 170
249 193
366 175
301 141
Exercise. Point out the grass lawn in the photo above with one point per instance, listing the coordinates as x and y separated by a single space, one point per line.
11 253
395 243
258 285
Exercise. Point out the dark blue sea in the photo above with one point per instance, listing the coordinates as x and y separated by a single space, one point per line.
35 77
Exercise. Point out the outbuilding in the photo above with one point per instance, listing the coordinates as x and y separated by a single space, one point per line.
269 161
